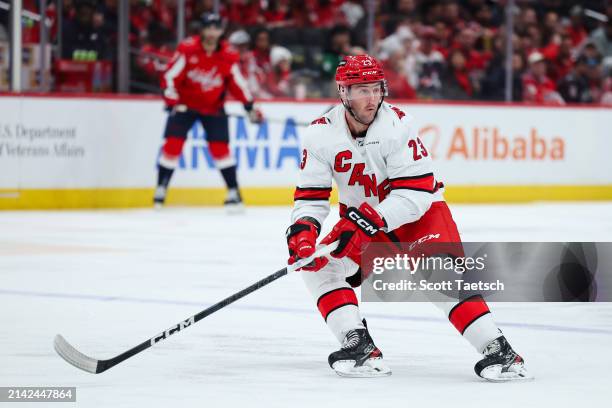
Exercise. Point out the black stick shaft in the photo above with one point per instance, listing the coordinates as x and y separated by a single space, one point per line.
104 365
184 109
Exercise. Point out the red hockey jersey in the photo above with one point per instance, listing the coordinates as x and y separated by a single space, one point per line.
201 81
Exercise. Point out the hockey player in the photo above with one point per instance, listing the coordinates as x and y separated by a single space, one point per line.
388 192
194 86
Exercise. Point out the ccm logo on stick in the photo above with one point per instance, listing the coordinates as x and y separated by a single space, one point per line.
362 222
172 330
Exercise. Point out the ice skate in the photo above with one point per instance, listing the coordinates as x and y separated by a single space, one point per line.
501 363
358 357
159 197
233 203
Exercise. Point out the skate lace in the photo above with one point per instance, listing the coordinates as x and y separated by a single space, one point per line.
492 348
351 340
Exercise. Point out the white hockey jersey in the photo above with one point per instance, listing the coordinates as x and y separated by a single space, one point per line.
389 168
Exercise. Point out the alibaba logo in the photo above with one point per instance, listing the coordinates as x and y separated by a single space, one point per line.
430 135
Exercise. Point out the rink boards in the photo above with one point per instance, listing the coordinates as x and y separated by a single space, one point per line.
81 152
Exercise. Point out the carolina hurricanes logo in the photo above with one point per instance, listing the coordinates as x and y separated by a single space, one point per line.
207 79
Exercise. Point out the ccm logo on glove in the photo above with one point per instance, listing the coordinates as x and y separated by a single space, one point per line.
363 223
354 232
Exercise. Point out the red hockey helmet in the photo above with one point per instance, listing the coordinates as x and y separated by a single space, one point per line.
359 69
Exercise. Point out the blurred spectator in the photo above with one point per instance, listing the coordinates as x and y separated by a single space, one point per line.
244 12
401 11
80 34
325 13
261 49
551 24
561 62
537 86
240 41
456 84
394 67
403 39
593 71
576 30
602 37
527 17
494 82
484 16
442 38
199 7
141 15
164 12
276 13
353 12
465 42
574 87
451 14
591 51
278 80
339 45
429 65
156 51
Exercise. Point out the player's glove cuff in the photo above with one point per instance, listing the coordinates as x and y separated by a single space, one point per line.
302 225
365 218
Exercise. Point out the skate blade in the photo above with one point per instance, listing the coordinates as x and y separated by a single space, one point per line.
374 367
158 206
494 374
234 209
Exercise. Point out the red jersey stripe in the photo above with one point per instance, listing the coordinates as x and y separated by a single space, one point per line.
424 182
335 299
467 312
312 193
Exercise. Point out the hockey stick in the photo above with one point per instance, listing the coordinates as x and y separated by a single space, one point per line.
94 366
184 108
270 120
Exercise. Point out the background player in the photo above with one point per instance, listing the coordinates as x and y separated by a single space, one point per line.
388 192
194 86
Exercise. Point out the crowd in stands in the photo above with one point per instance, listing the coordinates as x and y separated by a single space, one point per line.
431 49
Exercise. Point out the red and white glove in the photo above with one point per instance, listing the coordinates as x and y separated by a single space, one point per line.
354 232
302 240
171 99
255 114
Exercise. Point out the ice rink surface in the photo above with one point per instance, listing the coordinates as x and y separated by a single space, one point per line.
108 280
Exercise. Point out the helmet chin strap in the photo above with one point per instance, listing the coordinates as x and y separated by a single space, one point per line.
347 106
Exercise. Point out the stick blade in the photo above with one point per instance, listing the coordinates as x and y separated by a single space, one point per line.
75 357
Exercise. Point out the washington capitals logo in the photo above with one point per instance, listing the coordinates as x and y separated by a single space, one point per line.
207 79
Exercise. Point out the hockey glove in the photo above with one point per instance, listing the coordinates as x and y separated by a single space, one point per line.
302 240
171 99
255 114
354 231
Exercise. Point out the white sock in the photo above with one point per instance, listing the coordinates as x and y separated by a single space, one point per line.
481 332
344 319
